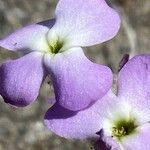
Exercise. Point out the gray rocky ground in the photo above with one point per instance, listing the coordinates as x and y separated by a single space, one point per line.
22 129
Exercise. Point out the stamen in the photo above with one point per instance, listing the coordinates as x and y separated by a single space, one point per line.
56 45
123 128
119 132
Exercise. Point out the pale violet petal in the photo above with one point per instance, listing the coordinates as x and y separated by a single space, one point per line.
29 38
20 79
78 82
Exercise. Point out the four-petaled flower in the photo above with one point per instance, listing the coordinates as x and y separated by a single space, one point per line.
53 47
122 121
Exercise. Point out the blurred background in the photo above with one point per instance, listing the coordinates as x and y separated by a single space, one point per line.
22 129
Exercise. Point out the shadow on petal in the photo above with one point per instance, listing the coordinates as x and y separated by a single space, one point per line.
58 112
47 23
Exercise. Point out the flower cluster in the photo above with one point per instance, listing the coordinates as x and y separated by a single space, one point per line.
85 106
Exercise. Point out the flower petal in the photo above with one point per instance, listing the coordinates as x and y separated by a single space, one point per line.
21 79
140 140
78 82
86 22
32 37
81 125
134 81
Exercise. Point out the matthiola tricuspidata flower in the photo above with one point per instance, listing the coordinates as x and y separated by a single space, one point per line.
54 47
120 122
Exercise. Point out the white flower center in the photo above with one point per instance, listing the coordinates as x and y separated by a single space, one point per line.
121 122
56 41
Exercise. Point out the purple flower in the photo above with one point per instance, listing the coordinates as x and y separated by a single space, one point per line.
53 47
121 121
